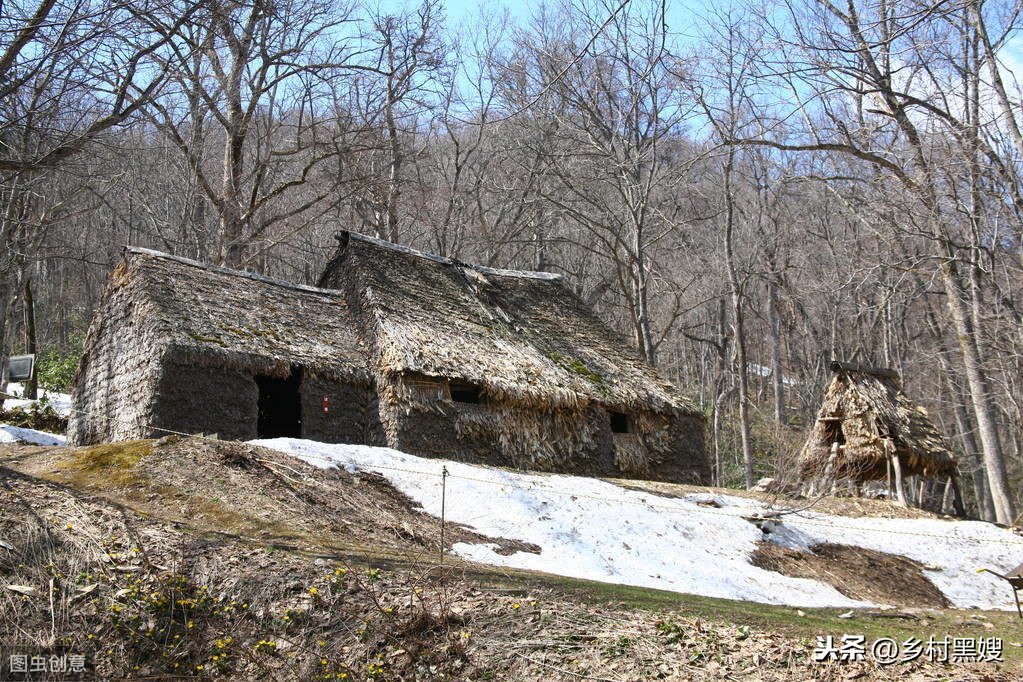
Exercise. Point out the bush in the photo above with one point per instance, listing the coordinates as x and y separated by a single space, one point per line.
55 370
39 416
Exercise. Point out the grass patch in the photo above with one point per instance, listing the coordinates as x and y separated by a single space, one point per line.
757 617
786 619
104 466
216 515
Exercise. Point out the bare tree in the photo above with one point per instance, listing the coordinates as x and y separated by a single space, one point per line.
891 60
612 156
255 77
408 65
69 72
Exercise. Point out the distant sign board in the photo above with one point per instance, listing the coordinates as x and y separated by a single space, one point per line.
18 367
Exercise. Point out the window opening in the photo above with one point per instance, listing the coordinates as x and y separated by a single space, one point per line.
620 422
465 393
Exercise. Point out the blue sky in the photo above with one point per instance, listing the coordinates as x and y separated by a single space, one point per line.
679 12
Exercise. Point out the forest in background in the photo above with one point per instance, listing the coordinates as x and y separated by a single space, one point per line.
745 197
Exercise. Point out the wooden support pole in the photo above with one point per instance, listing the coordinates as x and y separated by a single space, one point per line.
827 483
888 467
957 497
946 497
443 501
900 493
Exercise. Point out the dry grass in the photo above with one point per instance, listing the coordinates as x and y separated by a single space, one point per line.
858 573
144 585
140 598
40 416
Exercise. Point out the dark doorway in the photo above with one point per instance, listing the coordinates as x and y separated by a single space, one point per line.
280 407
620 422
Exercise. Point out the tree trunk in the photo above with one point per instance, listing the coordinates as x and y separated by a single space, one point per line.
30 337
640 282
3 336
980 397
232 226
394 145
740 333
720 368
985 508
777 376
964 425
716 437
7 287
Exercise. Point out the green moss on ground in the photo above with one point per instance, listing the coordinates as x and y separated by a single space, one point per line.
799 622
108 465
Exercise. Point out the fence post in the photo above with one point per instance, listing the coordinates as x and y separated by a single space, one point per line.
443 503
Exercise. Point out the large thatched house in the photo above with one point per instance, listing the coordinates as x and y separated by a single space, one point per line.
395 347
868 429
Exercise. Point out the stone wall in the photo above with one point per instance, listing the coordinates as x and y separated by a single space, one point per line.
113 389
192 399
688 461
352 417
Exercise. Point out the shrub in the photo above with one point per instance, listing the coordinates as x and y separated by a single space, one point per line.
39 416
55 369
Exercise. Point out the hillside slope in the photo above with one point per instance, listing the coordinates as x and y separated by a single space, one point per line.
232 560
689 540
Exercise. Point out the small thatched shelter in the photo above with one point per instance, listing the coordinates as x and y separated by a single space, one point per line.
395 347
868 429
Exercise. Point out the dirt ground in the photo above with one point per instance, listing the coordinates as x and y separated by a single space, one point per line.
856 572
195 558
853 507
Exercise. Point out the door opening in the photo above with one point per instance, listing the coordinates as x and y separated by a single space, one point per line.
280 406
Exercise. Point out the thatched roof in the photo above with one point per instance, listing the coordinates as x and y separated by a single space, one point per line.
863 408
523 337
215 316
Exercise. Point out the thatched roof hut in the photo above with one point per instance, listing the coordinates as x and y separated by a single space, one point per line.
215 316
183 346
523 337
864 419
541 379
395 347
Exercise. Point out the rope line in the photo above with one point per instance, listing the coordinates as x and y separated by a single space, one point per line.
545 489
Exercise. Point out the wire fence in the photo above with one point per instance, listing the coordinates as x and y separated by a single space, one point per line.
767 515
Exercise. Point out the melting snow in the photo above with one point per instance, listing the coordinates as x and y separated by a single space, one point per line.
596 530
60 402
17 434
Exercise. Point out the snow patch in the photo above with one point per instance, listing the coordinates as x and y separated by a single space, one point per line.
760 370
17 434
596 530
586 528
60 402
